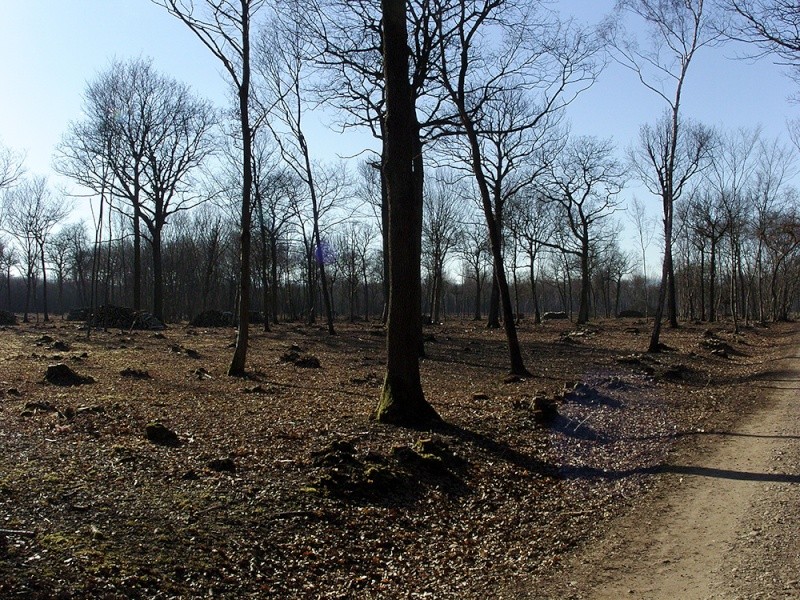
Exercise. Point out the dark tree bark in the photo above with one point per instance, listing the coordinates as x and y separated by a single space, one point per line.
402 400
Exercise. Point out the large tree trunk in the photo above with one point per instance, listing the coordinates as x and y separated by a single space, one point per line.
402 400
385 236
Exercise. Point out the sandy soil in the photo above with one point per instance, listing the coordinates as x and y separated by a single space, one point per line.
722 525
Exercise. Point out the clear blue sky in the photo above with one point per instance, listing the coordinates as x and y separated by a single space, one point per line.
49 49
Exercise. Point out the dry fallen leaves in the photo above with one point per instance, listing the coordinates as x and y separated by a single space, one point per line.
281 486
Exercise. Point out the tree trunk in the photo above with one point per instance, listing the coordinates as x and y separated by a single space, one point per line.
537 314
672 294
655 337
273 288
583 307
239 359
326 294
158 275
493 316
514 350
402 400
385 245
44 283
28 285
137 256
478 289
712 283
666 269
437 295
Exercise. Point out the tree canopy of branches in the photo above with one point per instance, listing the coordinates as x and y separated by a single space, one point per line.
29 214
774 25
144 135
11 167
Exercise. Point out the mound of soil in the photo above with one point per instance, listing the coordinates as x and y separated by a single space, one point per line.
61 374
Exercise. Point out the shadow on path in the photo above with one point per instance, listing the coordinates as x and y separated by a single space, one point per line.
592 473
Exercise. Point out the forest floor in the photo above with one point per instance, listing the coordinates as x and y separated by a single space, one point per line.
279 485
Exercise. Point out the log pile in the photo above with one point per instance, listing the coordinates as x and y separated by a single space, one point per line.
122 317
213 318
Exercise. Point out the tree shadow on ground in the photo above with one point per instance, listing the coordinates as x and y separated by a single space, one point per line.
592 473
499 450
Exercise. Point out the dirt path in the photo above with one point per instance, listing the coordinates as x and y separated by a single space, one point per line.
725 525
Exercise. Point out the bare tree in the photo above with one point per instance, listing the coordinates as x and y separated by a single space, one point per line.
224 27
777 163
531 220
442 228
58 255
11 167
273 209
491 53
110 138
781 238
645 228
30 212
666 165
151 133
677 30
709 221
474 252
402 400
8 261
370 190
733 168
584 181
282 64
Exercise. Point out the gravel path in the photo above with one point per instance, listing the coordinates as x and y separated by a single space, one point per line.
723 526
